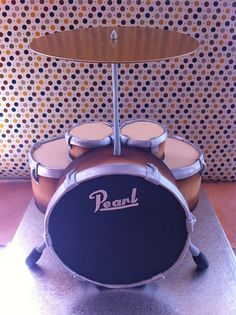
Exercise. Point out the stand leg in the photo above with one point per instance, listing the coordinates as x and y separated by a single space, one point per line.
198 257
117 146
35 254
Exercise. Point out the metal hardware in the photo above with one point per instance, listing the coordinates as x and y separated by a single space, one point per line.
202 165
117 144
190 223
152 173
70 178
68 139
34 173
114 35
194 250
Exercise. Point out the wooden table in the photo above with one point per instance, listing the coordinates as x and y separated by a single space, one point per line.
51 290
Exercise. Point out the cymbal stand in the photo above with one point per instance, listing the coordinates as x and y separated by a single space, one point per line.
117 145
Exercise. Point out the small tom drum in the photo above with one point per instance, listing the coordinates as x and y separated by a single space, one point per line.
48 160
186 162
145 134
86 136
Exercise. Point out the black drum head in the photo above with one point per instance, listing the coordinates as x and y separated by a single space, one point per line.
118 229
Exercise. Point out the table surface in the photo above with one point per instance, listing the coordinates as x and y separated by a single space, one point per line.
133 44
50 289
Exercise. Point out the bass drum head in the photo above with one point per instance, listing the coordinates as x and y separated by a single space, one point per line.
117 230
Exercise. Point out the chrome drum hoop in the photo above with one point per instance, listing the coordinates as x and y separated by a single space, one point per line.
148 172
152 143
38 169
198 167
73 140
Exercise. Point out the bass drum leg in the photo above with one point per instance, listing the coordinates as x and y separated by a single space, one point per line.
199 258
35 255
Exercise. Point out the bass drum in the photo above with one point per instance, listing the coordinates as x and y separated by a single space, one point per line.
118 221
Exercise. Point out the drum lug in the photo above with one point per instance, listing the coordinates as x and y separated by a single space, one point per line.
70 178
190 223
123 139
152 173
155 145
111 139
154 149
202 165
34 173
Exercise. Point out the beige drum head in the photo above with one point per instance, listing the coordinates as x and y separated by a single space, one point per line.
179 154
91 131
142 130
52 154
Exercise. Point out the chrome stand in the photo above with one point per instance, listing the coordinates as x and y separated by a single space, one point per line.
198 257
35 255
117 145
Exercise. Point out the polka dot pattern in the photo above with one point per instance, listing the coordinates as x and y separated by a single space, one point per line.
194 96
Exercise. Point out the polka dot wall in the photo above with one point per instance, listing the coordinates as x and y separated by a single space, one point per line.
194 96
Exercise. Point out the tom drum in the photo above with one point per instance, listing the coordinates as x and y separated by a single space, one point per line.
145 134
48 160
86 136
186 162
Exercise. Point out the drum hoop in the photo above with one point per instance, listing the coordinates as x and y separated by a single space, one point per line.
148 172
72 140
38 169
196 167
152 142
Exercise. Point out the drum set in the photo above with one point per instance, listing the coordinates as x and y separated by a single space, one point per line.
118 199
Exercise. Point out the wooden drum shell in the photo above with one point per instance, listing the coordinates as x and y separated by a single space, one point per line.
104 155
188 176
190 188
43 191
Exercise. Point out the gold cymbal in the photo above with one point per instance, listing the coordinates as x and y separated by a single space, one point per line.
120 44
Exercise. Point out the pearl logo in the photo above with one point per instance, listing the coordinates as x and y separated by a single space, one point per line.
102 202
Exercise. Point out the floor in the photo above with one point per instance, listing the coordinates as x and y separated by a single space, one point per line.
16 195
223 199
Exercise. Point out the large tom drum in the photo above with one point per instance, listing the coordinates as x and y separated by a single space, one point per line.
186 162
48 160
118 221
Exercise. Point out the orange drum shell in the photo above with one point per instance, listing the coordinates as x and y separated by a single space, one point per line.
43 191
160 154
104 155
190 188
75 151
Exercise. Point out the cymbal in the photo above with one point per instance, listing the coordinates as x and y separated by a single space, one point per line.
120 44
